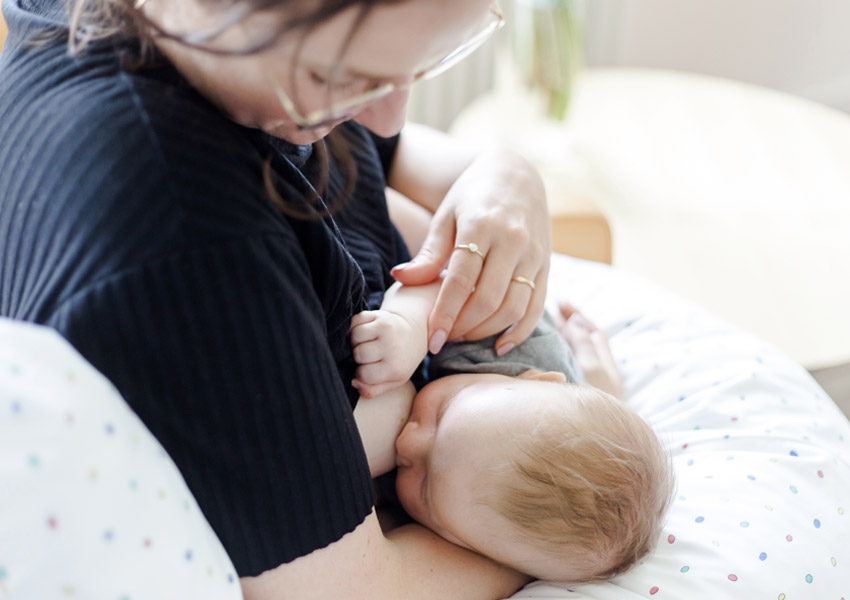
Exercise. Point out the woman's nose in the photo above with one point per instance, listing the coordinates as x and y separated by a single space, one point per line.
411 445
386 117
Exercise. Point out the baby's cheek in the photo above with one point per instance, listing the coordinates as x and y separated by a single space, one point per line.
407 487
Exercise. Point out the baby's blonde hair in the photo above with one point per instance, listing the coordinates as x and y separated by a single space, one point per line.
590 487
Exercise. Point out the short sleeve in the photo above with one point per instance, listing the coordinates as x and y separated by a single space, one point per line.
229 366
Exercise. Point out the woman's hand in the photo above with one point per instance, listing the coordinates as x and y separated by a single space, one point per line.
493 229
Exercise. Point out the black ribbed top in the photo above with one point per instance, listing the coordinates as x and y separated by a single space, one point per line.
134 219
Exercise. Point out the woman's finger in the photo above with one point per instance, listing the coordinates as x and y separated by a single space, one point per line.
491 297
517 334
437 248
459 283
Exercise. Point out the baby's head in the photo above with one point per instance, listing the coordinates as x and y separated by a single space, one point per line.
556 480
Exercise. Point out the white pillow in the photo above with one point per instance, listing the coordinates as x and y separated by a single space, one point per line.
761 453
91 506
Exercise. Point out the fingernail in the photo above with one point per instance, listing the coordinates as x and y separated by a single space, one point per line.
456 340
400 267
437 341
504 349
354 384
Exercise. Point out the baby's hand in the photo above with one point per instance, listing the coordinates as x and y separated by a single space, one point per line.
388 349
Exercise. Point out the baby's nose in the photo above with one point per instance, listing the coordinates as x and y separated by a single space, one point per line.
408 445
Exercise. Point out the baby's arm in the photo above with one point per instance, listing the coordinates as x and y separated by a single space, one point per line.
391 342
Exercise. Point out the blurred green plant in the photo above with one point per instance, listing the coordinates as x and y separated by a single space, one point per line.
548 49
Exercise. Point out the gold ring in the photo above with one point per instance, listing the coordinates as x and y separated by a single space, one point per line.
472 247
520 279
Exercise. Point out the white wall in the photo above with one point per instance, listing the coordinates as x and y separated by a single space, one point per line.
798 46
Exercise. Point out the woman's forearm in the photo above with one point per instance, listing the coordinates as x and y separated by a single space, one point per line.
426 165
411 563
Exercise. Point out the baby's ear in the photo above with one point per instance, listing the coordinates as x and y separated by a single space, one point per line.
536 375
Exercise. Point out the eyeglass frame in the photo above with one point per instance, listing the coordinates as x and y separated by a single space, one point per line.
338 110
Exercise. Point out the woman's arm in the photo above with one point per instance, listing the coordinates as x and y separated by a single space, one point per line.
409 563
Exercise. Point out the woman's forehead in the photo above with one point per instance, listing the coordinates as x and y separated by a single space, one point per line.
395 39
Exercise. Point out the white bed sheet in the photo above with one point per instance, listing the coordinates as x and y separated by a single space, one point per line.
761 453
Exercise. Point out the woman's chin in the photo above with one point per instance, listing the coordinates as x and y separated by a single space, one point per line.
292 134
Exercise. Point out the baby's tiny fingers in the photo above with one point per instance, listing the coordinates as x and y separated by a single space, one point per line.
366 316
368 352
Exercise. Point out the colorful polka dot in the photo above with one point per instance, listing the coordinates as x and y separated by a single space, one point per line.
768 507
109 428
653 590
3 573
820 474
751 477
840 511
230 579
733 577
16 408
188 555
52 523
108 535
147 542
671 538
691 462
816 523
745 524
793 489
809 578
70 418
15 370
789 538
699 519
68 590
734 419
763 556
833 561
34 461
793 453
684 569
780 597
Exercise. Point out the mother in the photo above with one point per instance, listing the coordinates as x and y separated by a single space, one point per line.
192 193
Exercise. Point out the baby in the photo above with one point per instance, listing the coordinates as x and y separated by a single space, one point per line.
558 480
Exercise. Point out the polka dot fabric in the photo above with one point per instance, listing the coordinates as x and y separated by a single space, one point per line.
91 506
761 453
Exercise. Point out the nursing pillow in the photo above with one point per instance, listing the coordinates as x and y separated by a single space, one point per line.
91 506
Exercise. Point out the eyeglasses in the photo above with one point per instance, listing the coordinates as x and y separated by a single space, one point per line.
343 99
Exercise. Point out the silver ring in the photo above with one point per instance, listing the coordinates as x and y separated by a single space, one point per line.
472 247
521 279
